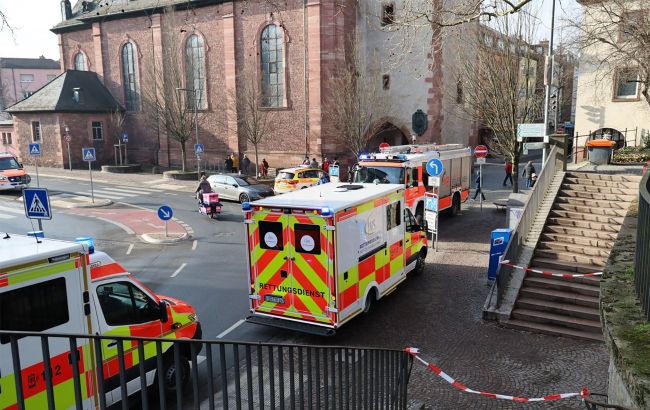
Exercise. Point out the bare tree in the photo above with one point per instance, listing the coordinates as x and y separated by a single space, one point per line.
356 104
116 126
500 85
255 124
4 23
615 35
166 102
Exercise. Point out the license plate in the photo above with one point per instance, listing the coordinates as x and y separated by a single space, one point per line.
274 299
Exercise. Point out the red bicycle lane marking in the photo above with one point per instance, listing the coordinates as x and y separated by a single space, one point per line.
138 221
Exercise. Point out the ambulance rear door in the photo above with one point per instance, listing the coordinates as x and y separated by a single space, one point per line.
291 262
46 296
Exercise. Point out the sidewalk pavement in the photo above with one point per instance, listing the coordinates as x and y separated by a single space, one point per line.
606 169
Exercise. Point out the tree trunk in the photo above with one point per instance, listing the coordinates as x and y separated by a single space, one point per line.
183 156
257 162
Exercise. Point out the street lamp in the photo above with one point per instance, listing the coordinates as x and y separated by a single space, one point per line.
196 124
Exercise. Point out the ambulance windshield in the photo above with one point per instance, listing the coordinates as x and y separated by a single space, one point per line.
9 163
382 175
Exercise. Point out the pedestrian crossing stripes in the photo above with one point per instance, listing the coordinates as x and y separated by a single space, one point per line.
110 192
10 213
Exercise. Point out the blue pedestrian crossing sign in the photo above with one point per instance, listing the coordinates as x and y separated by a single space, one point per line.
434 167
88 154
198 149
125 137
431 203
165 212
37 203
35 149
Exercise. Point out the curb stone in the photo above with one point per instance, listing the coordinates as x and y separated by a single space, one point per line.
172 239
97 204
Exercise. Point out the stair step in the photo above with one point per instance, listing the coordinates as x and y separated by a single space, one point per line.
549 264
574 249
571 257
576 240
602 183
602 203
559 206
559 296
585 325
605 177
551 329
583 216
577 231
564 309
587 280
599 226
550 282
601 189
595 195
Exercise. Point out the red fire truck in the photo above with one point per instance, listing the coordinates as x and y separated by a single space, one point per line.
406 164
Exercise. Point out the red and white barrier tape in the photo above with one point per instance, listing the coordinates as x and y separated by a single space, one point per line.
414 352
561 275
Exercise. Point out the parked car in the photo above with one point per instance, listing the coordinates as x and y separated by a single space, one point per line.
12 173
238 187
291 179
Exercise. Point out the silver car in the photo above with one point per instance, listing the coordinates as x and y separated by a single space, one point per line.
237 187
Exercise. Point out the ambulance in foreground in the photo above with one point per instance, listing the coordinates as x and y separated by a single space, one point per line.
65 287
320 256
406 165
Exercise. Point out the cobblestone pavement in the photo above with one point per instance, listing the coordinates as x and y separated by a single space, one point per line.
440 313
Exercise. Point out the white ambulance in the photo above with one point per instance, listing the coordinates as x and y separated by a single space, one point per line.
320 256
406 165
61 287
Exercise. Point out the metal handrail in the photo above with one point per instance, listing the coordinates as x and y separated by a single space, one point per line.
522 228
642 255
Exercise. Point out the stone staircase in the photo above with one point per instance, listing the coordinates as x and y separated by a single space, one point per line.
578 236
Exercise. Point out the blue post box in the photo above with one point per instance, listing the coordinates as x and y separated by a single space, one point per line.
498 243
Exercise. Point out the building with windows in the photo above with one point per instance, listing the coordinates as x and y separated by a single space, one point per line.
609 101
21 77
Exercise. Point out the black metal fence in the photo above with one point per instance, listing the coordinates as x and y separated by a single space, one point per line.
629 137
642 257
214 374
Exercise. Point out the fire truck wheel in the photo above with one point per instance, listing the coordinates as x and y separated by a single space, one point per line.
455 205
370 301
169 374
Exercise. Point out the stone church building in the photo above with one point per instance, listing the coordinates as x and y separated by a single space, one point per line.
291 47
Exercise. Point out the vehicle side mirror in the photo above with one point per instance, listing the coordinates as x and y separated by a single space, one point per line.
425 226
163 311
235 185
20 164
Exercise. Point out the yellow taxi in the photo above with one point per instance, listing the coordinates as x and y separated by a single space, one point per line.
291 179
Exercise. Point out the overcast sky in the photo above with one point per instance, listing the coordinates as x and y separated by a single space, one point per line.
32 20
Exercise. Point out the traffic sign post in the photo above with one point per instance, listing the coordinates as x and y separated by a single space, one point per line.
67 141
480 152
35 151
88 155
198 150
125 139
431 216
165 213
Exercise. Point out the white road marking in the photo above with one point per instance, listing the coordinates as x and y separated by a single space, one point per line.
132 191
230 329
12 210
194 245
2 216
154 225
110 221
178 270
99 195
128 251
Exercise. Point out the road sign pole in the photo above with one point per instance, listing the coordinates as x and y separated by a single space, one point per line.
126 158
166 234
69 156
92 192
480 182
38 183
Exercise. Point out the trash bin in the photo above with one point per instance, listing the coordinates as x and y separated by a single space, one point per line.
499 240
600 151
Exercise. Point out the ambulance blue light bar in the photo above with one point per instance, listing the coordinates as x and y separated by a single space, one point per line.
326 211
88 241
364 156
246 206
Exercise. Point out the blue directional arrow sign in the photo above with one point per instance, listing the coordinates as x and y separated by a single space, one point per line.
165 212
88 154
37 203
125 137
35 149
198 149
434 167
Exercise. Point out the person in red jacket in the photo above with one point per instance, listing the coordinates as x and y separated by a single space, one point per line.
508 169
326 165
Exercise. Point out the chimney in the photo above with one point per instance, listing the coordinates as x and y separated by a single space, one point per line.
66 10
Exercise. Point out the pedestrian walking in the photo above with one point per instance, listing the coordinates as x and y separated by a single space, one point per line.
533 179
265 167
335 162
478 186
313 163
228 164
235 162
326 165
529 170
245 165
508 169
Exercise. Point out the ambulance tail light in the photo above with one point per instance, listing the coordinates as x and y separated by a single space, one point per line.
88 241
